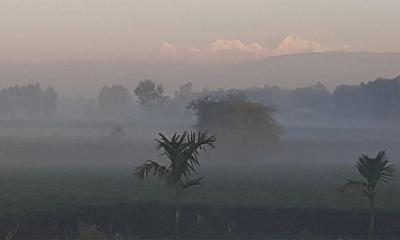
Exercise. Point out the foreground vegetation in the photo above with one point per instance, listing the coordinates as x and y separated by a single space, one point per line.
182 152
374 171
58 187
271 201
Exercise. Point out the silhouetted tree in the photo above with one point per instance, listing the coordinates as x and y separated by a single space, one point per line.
375 100
315 97
117 132
148 93
245 128
371 101
28 100
184 91
50 101
182 151
115 100
374 171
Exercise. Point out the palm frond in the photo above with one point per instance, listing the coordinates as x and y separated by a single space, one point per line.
191 183
165 145
171 147
375 169
151 168
195 144
357 187
182 150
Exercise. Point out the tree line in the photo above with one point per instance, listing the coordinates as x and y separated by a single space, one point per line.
28 101
371 101
374 100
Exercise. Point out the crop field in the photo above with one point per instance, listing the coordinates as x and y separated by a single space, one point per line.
73 188
32 189
273 200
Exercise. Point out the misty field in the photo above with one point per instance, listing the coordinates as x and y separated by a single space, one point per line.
51 187
32 189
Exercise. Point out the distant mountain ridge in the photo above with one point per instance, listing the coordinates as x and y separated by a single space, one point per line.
329 68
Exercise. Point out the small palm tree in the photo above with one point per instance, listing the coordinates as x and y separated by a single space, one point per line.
374 171
182 150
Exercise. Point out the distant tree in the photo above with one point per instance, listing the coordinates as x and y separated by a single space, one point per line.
182 151
346 101
316 97
374 171
7 105
115 101
29 100
374 100
148 93
246 128
185 91
205 90
370 101
117 132
50 101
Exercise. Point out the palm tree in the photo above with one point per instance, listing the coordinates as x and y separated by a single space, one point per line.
182 151
374 171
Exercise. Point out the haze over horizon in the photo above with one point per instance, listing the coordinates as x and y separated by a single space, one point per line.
80 46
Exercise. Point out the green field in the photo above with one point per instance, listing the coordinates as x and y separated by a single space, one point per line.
46 192
60 183
33 188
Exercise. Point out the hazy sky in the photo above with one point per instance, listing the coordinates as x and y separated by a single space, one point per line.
71 30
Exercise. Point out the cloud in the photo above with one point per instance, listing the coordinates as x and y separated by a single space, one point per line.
226 50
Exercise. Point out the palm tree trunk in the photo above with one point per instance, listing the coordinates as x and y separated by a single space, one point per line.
372 219
177 215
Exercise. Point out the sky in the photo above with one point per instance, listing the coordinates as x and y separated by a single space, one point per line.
37 31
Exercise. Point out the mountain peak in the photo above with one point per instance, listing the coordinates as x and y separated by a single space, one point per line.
293 44
234 50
